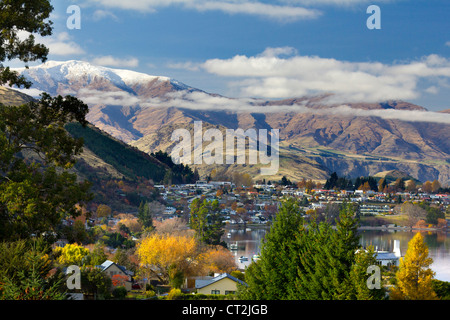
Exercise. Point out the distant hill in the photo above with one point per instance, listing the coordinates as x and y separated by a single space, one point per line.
10 97
355 139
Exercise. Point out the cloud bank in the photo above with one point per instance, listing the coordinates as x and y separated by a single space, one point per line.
199 100
283 73
283 12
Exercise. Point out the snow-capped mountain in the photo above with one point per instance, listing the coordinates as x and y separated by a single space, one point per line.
68 77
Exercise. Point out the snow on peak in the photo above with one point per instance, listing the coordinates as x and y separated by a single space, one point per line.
73 69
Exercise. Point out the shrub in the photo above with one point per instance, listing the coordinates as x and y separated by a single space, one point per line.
174 294
119 292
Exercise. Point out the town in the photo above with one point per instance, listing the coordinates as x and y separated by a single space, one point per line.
252 206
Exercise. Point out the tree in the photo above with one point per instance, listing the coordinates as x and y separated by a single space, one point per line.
27 272
145 215
414 277
160 254
435 186
327 257
103 211
358 276
217 259
413 212
427 187
399 184
38 191
382 184
207 222
411 187
70 254
22 16
272 277
95 282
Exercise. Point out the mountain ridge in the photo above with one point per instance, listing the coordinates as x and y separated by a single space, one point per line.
352 135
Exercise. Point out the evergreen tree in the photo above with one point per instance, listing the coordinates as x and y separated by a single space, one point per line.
359 277
272 277
145 215
205 219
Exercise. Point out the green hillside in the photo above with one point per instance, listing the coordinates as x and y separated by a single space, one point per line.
130 162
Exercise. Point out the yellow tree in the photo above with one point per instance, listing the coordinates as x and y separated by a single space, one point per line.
217 259
160 254
414 275
70 254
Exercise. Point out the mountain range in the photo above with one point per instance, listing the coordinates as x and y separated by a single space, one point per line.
316 137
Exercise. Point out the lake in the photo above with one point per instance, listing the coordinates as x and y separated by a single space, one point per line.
249 242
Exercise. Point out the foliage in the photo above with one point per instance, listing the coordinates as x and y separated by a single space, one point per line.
442 289
206 220
27 273
127 160
414 277
335 182
119 293
71 254
36 188
159 254
273 276
217 259
178 173
313 261
174 294
145 215
95 281
17 16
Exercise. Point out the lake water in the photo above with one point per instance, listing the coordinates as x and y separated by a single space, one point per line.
249 242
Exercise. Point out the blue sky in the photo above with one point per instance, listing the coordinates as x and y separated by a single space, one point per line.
270 49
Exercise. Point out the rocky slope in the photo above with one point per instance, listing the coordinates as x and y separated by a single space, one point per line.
316 138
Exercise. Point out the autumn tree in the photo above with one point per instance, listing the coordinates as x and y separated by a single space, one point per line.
217 259
103 211
414 276
70 254
413 212
160 255
435 186
411 186
427 187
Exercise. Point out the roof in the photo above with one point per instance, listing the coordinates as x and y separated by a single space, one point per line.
386 256
203 283
108 263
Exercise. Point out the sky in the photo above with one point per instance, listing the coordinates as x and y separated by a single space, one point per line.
269 49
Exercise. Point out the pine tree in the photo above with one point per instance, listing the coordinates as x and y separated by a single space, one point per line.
272 277
414 277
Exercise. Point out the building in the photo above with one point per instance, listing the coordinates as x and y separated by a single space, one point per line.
370 209
221 284
386 258
112 269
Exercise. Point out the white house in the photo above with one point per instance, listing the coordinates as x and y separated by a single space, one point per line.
386 258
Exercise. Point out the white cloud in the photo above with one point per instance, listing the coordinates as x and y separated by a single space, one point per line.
190 66
116 62
60 44
279 12
102 14
447 43
269 75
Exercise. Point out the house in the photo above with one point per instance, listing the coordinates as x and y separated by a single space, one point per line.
386 258
112 269
221 284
